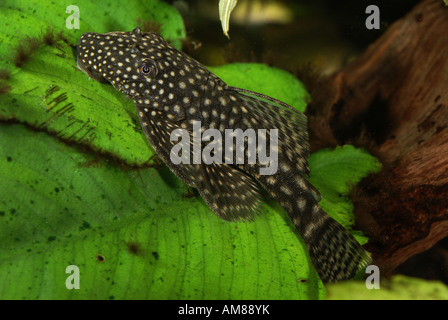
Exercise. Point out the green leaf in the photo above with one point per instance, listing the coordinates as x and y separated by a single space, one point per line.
77 190
397 288
51 94
64 207
71 208
23 18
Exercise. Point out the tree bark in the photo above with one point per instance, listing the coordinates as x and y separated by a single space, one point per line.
393 101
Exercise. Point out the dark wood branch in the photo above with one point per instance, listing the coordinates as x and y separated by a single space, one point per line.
393 101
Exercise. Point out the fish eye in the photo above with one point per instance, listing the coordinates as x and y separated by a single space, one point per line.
149 69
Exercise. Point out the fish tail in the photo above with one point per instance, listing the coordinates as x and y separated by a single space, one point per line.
335 253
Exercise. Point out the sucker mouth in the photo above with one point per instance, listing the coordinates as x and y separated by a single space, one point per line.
122 89
87 69
92 74
81 67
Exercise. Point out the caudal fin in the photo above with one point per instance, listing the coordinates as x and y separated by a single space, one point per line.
335 253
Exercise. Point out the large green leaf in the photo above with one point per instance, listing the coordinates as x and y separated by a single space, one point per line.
50 93
77 189
63 207
25 18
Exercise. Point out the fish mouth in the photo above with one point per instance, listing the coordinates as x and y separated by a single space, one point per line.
82 67
86 68
92 74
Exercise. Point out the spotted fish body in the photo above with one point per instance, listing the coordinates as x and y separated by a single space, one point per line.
172 91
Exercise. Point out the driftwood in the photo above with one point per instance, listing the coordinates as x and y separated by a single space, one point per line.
393 101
